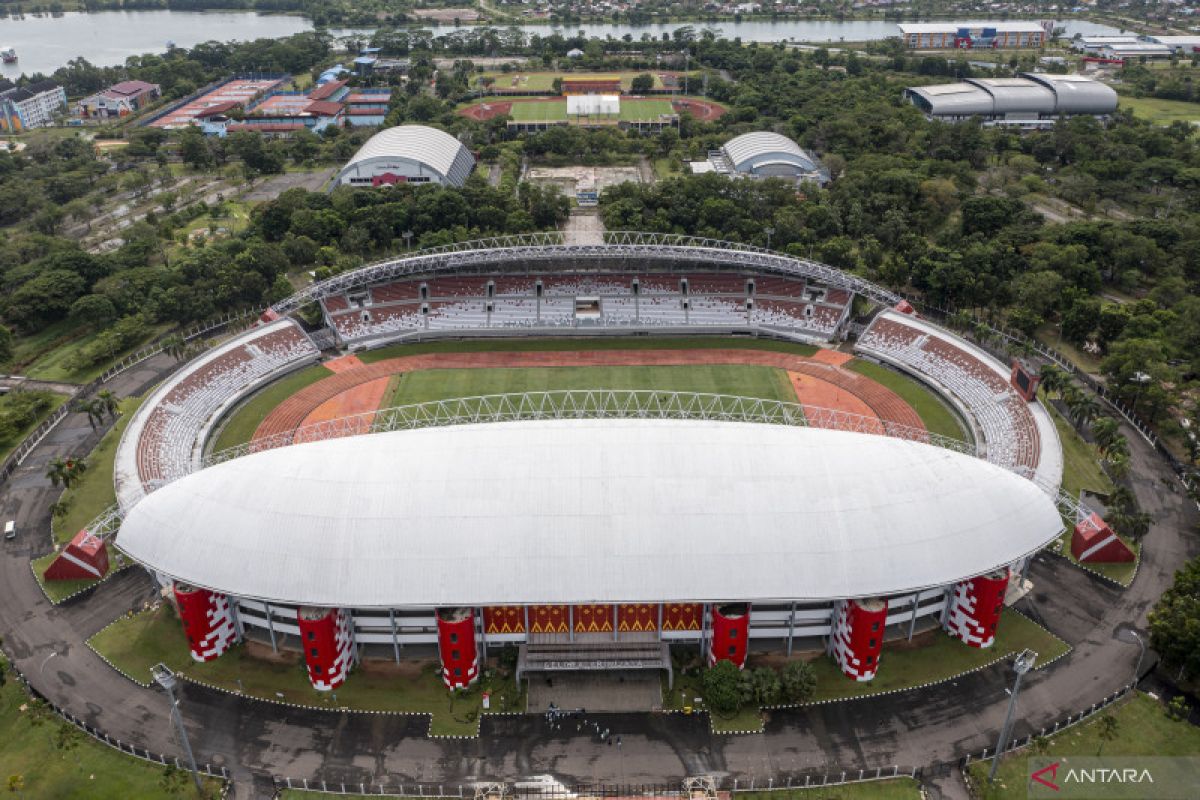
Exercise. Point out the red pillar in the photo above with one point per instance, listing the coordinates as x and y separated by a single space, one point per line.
325 636
973 609
730 634
207 621
856 638
456 646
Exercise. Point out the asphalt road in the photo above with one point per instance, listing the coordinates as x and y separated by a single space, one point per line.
257 740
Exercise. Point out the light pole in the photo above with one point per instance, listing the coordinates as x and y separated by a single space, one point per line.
165 678
768 232
407 239
1022 664
1137 671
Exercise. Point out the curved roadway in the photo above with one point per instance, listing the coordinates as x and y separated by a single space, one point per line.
257 740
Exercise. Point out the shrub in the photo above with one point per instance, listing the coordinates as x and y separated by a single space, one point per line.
722 687
799 681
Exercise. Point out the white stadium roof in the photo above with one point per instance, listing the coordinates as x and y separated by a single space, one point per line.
439 150
591 510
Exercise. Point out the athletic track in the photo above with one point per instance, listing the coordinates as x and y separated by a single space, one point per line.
819 381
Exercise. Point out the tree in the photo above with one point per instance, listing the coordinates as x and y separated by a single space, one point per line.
799 681
174 781
94 416
16 783
108 402
193 148
65 472
1053 379
1175 621
721 686
1108 731
1106 431
641 83
760 686
93 310
6 344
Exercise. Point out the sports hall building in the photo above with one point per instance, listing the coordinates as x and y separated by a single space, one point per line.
591 529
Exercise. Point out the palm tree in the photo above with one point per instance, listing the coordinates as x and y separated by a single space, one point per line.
1053 379
108 403
65 472
1120 499
1118 464
1106 430
85 407
173 346
1085 408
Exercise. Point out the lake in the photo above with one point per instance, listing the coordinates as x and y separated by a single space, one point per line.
107 38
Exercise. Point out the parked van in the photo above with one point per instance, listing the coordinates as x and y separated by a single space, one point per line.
10 529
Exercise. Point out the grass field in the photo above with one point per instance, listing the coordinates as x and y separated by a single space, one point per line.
94 492
1081 461
932 411
544 81
7 444
240 426
135 643
556 111
91 770
1161 112
1143 729
437 384
53 365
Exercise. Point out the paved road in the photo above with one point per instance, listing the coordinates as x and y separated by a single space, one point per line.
256 739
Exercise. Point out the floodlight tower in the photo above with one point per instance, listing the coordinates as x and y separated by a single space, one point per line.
165 678
1022 664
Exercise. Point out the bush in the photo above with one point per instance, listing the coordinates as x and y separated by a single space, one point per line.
110 342
760 687
799 681
722 688
19 410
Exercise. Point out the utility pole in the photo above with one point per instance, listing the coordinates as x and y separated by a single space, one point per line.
1023 664
768 232
165 678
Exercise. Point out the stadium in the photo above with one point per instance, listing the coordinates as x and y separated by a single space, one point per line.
368 510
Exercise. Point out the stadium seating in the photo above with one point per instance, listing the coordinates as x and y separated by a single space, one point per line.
460 303
168 428
1008 428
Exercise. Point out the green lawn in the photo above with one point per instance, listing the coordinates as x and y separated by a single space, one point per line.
556 110
645 110
734 379
240 426
544 81
91 770
563 345
1143 729
539 111
938 418
891 789
53 364
8 444
94 492
1081 461
135 643
58 591
1161 112
28 349
931 657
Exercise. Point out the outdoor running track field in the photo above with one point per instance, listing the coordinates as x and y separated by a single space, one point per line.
356 388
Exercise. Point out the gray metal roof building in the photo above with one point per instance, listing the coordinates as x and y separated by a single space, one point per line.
409 154
763 154
1032 98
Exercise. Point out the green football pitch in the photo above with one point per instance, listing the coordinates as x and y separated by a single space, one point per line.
556 111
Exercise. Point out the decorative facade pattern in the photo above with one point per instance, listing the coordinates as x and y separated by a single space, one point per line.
207 621
548 619
639 617
326 636
456 646
857 636
974 607
504 619
682 616
593 619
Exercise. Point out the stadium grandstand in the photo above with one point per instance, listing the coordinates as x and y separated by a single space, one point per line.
804 524
409 154
1030 100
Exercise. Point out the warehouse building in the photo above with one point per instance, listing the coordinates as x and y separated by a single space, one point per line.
1136 50
763 154
1184 45
409 154
31 106
1031 100
973 35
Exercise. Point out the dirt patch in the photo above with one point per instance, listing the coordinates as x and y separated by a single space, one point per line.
482 112
703 110
263 652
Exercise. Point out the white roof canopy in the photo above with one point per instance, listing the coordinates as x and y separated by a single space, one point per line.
589 511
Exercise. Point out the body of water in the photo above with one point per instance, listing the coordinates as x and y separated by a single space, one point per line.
107 38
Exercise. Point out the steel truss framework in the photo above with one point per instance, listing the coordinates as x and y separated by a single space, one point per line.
589 404
520 251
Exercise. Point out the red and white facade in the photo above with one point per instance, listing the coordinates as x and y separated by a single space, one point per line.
974 606
208 621
730 636
856 639
456 646
327 640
